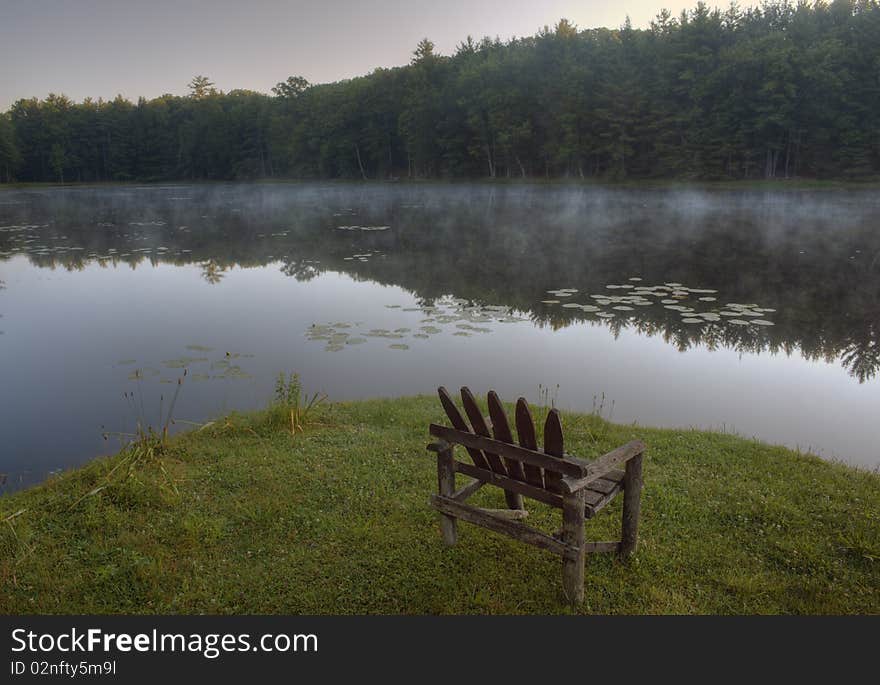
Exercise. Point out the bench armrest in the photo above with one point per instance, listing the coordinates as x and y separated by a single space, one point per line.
601 466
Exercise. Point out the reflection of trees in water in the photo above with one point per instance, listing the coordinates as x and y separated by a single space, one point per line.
212 272
862 356
302 271
812 257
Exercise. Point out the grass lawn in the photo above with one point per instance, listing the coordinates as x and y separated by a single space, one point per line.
242 517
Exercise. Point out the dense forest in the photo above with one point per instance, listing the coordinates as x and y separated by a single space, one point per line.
778 91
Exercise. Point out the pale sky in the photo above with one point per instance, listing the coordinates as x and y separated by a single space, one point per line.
102 48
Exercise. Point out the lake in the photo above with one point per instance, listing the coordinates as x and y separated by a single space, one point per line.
745 311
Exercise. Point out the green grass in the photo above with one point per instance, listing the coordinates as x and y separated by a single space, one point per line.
242 517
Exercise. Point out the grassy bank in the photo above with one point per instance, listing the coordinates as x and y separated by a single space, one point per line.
242 517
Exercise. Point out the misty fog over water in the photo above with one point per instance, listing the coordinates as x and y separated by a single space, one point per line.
753 312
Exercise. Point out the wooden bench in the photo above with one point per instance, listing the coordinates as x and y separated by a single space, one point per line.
577 486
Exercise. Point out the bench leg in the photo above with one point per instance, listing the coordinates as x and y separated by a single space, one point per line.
446 486
632 501
573 536
514 500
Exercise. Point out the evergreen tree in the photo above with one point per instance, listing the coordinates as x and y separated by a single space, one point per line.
775 91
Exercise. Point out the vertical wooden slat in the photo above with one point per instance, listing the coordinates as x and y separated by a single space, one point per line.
632 502
478 421
446 487
573 536
553 445
502 432
458 423
525 429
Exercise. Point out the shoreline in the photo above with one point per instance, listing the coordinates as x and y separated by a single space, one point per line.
791 184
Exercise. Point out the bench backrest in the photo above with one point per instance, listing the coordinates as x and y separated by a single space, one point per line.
541 470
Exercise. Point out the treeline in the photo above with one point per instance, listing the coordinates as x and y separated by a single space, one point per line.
778 91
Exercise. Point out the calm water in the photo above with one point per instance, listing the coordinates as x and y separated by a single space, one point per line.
757 313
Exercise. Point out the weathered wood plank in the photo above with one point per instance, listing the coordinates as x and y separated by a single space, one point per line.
446 486
502 432
501 429
513 529
596 501
607 483
595 547
632 502
510 514
573 537
438 446
466 491
478 422
602 465
508 483
553 445
459 423
592 498
564 465
525 429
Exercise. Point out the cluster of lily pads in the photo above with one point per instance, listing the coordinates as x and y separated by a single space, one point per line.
363 256
217 369
363 228
27 239
22 238
463 318
672 296
279 234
